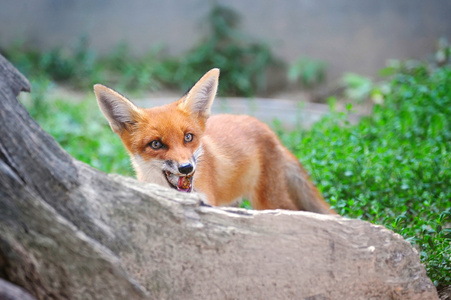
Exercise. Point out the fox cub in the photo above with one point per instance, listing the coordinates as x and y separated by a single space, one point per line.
225 157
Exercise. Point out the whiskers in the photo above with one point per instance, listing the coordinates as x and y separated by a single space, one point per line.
198 154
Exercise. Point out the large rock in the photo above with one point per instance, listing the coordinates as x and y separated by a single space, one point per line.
70 231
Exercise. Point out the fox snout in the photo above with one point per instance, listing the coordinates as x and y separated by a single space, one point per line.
182 169
186 168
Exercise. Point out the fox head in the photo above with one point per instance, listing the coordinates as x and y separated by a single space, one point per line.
164 142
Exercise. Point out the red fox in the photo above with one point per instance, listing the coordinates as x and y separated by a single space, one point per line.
224 157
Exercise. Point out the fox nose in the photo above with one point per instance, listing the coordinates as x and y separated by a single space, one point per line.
186 168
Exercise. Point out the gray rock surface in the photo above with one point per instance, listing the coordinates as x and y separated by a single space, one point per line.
10 291
68 231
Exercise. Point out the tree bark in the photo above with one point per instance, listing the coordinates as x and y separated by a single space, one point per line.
68 231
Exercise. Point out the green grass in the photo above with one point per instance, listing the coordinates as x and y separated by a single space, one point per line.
393 168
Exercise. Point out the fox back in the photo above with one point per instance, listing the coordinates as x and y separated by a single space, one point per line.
224 157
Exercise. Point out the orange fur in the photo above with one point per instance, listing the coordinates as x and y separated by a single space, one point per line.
232 156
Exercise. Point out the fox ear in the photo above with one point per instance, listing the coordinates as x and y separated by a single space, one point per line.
200 98
117 109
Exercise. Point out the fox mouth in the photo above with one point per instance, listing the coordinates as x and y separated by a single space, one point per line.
180 183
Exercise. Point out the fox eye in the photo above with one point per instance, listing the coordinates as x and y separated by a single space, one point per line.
188 137
156 144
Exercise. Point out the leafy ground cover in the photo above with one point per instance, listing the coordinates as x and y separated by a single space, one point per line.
394 167
79 127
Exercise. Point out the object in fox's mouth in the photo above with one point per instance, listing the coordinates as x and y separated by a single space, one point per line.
186 182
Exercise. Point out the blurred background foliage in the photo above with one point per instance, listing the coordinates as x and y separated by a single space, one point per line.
243 62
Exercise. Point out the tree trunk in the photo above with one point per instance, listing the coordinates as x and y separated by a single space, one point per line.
68 231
